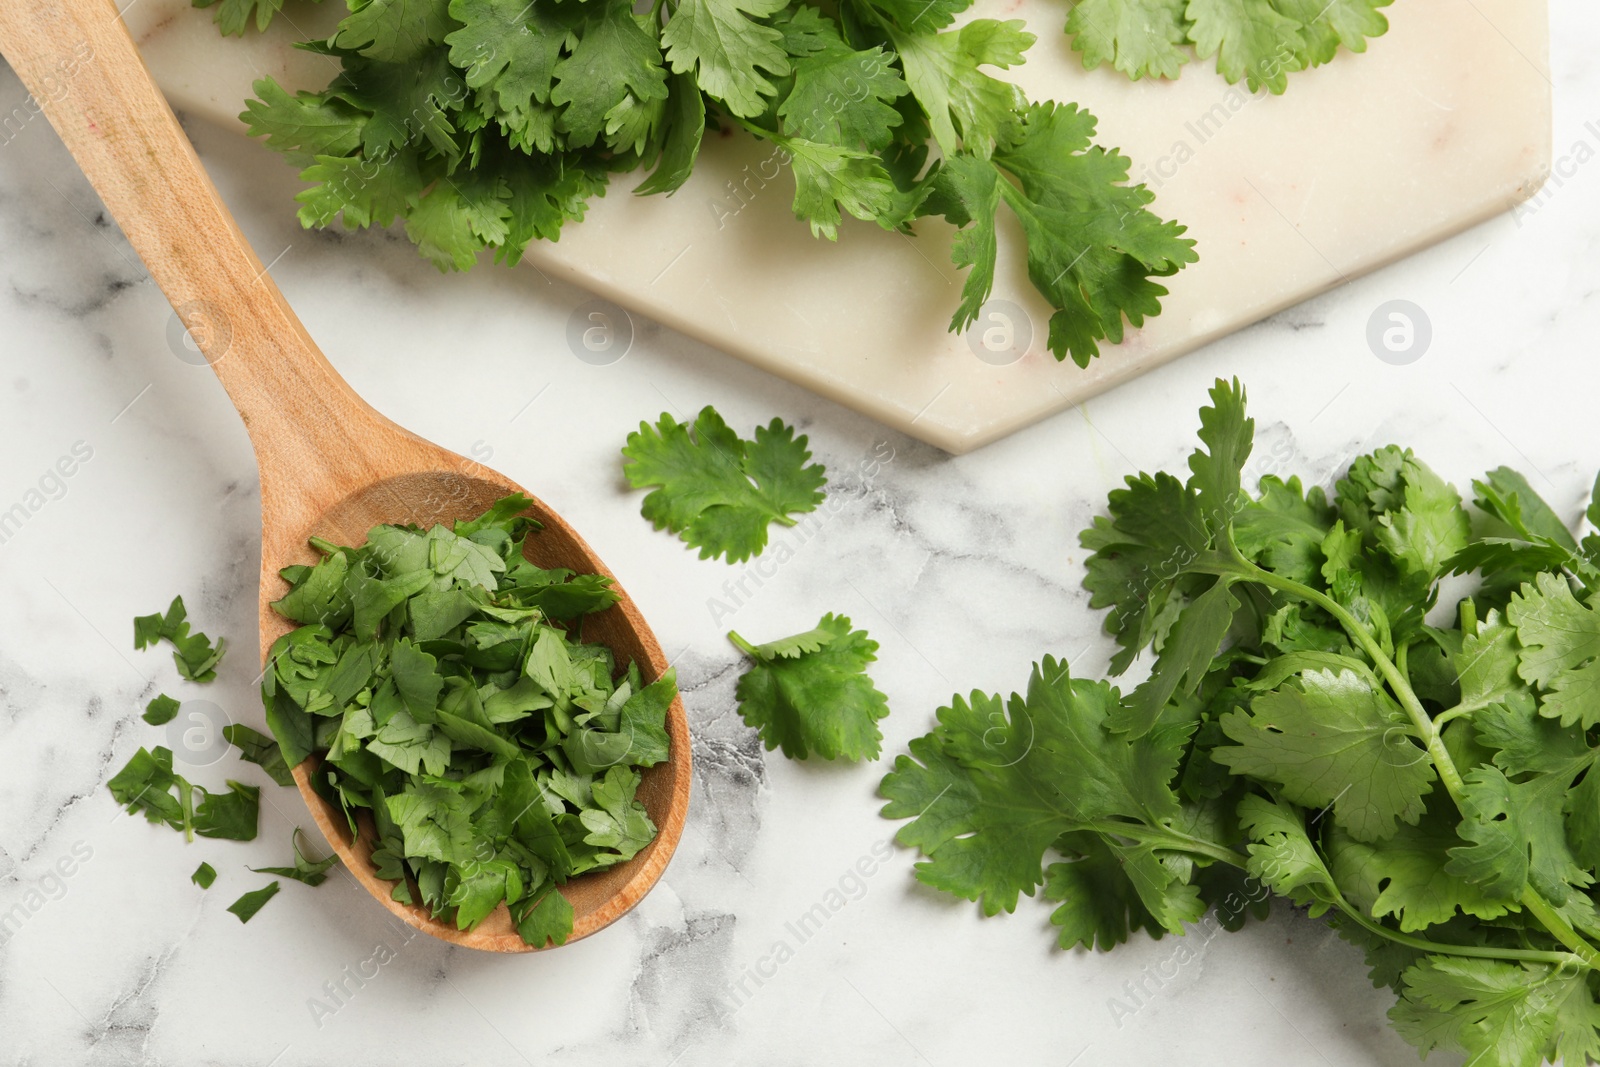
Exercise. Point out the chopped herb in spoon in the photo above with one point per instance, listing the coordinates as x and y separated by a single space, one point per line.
463 726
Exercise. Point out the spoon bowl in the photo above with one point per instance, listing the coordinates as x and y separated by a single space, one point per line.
426 498
330 465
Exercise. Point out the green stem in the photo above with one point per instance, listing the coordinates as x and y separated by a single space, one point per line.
1398 684
1557 924
1171 840
1180 842
742 645
186 802
1488 952
1425 726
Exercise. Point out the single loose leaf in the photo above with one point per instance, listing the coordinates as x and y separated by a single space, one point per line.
718 492
811 693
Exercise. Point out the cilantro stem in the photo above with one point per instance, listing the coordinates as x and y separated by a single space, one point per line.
742 645
1425 725
1172 840
1392 674
1422 944
186 802
1177 841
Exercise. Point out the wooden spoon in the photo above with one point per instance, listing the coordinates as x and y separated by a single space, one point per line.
330 464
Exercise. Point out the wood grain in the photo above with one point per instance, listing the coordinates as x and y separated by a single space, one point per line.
330 464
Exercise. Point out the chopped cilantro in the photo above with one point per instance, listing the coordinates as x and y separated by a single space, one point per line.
491 755
247 906
311 872
196 659
255 747
148 784
162 710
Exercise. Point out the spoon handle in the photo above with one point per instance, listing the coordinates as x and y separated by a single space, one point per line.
78 60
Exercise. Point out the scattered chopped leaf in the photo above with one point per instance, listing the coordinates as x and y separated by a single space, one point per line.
196 659
247 906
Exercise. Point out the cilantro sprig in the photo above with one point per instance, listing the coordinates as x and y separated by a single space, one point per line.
486 125
1308 726
459 723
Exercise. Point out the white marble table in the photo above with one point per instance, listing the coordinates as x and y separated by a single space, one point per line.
965 569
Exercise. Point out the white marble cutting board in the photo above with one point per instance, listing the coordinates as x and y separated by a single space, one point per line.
1443 123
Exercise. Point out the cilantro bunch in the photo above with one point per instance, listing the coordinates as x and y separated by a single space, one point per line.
486 752
488 124
1311 726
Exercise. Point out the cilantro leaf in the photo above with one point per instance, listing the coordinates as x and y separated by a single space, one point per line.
303 126
1333 741
1137 37
683 122
1252 41
967 109
1498 1012
1110 888
811 693
204 875
1327 24
1407 875
828 178
614 60
726 49
233 17
1560 651
394 31
1283 857
194 655
1517 836
549 921
508 50
997 783
718 492
618 823
1259 42
247 906
843 97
